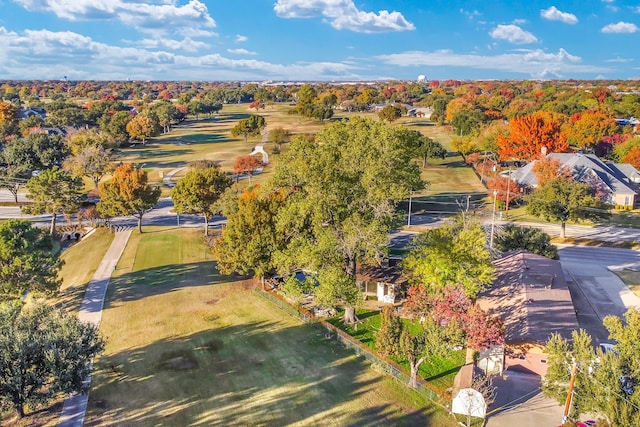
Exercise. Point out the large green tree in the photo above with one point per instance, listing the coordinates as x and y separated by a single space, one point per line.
251 126
53 192
94 162
279 135
453 253
513 237
199 191
27 262
563 200
391 113
343 190
250 241
428 149
43 353
128 192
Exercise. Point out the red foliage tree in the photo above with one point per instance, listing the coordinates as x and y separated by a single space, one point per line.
529 134
483 330
472 158
247 164
506 188
452 308
256 105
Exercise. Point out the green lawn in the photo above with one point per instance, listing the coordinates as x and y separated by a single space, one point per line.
439 372
187 346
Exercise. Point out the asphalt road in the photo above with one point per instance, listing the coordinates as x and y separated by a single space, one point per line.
596 291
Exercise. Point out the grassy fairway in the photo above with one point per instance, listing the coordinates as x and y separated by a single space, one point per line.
80 263
189 347
210 139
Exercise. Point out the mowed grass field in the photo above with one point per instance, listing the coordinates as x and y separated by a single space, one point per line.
210 139
187 346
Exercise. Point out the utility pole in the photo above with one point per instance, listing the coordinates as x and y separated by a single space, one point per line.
493 219
567 405
506 213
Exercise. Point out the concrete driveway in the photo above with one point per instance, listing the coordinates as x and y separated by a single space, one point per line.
519 402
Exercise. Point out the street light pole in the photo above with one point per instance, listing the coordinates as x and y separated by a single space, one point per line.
409 214
493 219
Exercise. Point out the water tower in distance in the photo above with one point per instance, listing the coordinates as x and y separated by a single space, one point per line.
421 78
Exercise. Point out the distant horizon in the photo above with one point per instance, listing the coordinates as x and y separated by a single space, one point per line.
317 40
276 82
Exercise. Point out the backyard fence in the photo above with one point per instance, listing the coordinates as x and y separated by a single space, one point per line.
387 367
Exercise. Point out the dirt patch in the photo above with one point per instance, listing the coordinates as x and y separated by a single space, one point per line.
212 301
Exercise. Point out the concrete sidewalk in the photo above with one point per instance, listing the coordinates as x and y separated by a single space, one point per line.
75 405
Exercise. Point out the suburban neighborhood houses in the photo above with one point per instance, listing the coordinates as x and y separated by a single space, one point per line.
615 183
244 253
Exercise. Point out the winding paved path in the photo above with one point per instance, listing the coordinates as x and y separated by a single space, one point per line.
75 405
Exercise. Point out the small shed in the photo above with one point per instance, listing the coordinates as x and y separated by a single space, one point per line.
467 400
387 284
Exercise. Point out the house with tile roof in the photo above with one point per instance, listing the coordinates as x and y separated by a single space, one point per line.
615 183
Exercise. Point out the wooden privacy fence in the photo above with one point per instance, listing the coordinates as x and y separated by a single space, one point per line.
388 367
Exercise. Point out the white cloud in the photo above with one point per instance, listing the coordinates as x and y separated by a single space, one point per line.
46 54
344 15
619 60
519 21
187 44
241 52
553 14
241 39
620 28
535 63
512 34
159 16
470 14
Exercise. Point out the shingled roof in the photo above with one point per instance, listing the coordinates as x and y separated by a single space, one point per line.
531 295
619 178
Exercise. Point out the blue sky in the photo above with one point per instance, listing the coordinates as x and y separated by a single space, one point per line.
341 40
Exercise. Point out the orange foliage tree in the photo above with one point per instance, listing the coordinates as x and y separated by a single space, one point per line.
247 164
633 157
587 129
547 169
529 134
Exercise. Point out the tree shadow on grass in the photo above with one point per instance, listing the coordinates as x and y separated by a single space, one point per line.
167 278
204 138
257 373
